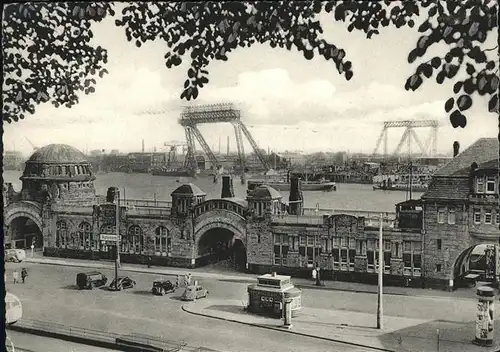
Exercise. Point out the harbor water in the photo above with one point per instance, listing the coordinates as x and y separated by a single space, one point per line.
349 196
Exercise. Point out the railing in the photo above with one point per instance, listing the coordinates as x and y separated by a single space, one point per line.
101 336
318 220
356 213
142 203
148 211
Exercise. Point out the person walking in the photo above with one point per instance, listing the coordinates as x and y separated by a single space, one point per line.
15 275
150 261
177 281
314 273
24 274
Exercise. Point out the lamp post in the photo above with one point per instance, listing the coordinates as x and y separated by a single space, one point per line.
117 223
380 309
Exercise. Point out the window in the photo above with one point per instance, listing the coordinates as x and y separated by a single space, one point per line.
439 244
477 216
498 217
480 185
84 235
451 216
281 246
490 184
295 243
438 268
487 216
324 245
135 240
61 233
162 240
441 215
361 247
371 254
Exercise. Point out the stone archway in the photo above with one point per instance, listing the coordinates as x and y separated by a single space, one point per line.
23 225
475 263
221 244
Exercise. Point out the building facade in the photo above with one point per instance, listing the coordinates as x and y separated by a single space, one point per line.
59 212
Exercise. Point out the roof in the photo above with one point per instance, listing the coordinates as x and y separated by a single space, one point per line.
489 165
483 150
264 191
189 189
57 154
449 188
237 200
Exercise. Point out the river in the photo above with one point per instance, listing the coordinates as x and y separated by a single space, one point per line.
145 186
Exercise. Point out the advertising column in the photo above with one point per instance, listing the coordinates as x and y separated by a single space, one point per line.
485 316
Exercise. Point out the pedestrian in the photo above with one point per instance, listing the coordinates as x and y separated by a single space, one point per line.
150 260
314 273
189 279
177 281
24 274
15 275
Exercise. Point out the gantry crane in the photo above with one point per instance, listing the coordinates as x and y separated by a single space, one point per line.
32 145
172 150
408 135
216 113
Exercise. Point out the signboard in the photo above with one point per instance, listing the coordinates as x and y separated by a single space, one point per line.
489 254
107 237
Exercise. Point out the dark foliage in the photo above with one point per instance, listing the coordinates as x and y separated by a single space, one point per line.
205 31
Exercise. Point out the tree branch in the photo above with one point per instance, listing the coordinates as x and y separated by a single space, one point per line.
491 49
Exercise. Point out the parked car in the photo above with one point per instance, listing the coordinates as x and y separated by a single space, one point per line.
160 287
194 292
90 280
123 282
14 255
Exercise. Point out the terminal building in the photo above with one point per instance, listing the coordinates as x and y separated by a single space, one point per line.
426 242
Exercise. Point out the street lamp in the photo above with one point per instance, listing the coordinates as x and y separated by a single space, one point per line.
380 308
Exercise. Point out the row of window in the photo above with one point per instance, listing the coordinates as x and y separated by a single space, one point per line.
238 209
58 170
447 215
133 242
344 250
485 217
486 184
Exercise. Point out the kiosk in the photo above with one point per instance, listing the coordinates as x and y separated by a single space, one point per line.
267 297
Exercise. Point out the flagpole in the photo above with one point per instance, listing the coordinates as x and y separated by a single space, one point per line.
380 308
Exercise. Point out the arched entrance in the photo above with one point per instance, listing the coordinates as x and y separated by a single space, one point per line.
24 232
222 248
477 263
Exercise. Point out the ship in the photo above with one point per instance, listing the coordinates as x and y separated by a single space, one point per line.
281 182
181 172
400 187
413 182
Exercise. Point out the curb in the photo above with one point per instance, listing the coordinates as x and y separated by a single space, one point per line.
287 331
244 279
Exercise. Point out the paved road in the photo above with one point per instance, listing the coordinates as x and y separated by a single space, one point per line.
33 343
50 294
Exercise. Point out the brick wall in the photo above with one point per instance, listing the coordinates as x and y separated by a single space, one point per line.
259 253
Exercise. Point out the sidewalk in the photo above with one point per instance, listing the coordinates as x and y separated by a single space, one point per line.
358 329
210 273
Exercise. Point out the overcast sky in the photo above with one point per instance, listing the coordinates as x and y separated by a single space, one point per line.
288 102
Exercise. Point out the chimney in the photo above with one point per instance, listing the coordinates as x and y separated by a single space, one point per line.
227 187
143 145
296 198
456 148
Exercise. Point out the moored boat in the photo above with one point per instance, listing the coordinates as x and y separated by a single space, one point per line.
285 185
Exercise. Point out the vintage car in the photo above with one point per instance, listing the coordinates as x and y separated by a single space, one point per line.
194 292
14 255
160 287
121 283
90 280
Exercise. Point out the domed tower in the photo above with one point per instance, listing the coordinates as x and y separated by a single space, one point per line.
58 173
264 201
186 197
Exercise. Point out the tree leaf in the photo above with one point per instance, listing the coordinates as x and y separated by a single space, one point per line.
470 69
464 102
457 119
493 104
457 86
449 104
